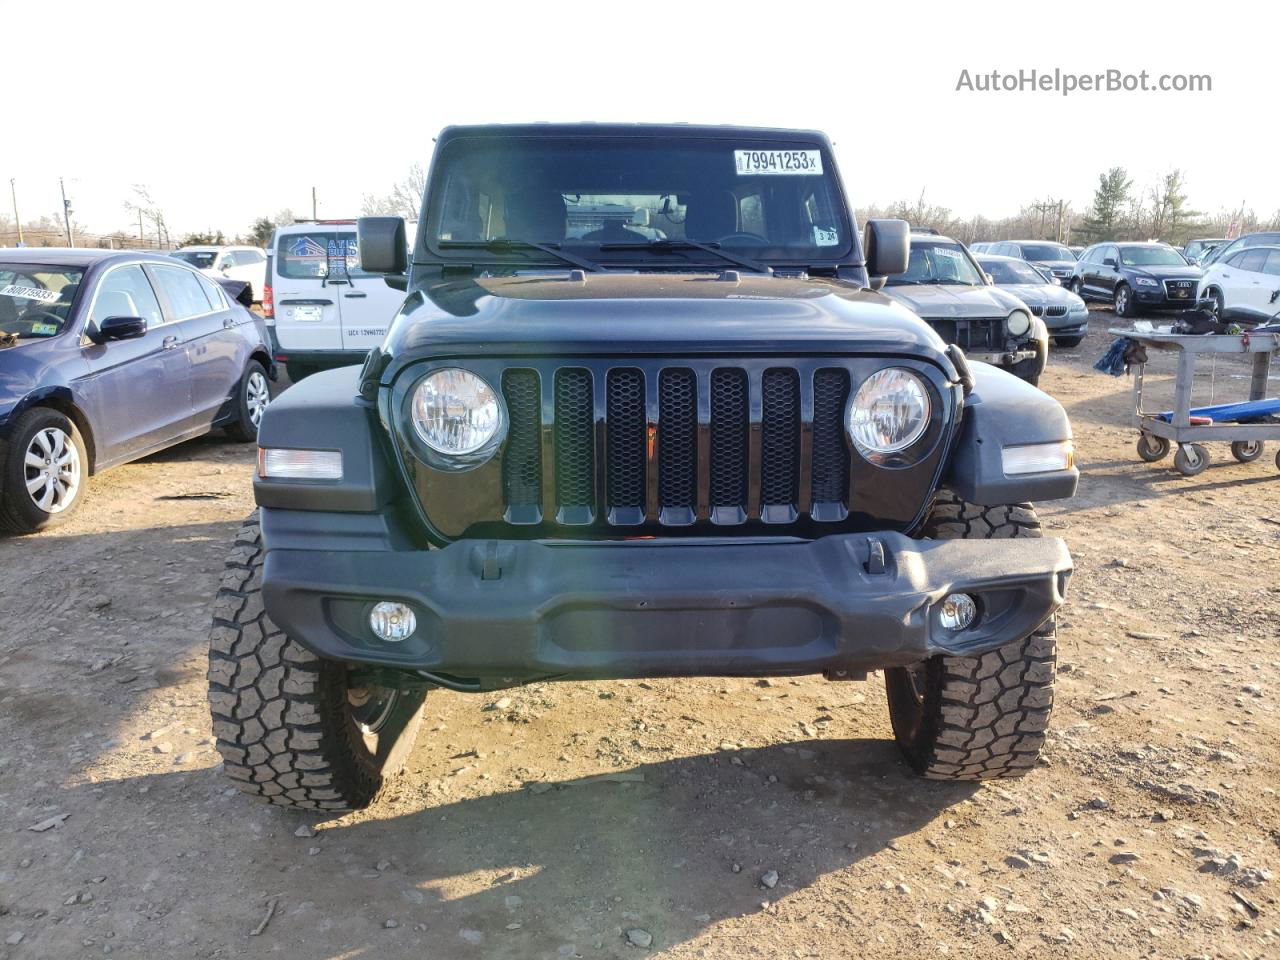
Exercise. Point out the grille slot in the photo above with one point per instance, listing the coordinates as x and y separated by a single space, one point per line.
780 438
625 469
574 439
730 421
830 453
1056 310
522 462
678 440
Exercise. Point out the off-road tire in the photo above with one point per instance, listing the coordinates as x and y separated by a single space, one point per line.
281 714
984 717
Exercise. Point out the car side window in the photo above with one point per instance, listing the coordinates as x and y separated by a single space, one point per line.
1272 266
214 293
183 291
1111 253
1251 260
126 292
249 257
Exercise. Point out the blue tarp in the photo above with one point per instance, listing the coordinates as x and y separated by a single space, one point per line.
1232 412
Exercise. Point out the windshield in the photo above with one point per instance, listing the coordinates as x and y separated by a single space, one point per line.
1044 251
934 261
766 200
319 254
35 300
200 259
1151 257
1012 271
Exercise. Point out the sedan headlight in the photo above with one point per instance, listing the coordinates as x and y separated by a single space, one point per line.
1145 282
455 412
889 412
1019 323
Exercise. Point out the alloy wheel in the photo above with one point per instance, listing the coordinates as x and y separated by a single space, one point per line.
256 395
52 463
1122 301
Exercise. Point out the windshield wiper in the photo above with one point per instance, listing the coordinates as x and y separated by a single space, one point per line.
502 244
672 244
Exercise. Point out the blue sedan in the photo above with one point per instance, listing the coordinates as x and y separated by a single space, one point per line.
107 356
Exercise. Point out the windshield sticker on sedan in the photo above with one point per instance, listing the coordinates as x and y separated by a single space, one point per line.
778 162
825 238
944 252
29 293
44 329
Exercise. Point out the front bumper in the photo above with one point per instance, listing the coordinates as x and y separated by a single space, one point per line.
1006 358
503 611
1158 299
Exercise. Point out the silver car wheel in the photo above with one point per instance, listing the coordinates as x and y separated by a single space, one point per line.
52 464
256 396
1122 300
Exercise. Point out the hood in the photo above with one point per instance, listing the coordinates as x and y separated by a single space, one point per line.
663 313
1044 294
946 300
1168 273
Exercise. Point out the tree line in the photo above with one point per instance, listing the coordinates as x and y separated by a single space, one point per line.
1119 211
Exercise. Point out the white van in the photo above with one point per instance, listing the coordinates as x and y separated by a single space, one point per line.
321 309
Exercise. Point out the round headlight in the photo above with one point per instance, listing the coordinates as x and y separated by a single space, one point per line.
455 412
889 412
1019 322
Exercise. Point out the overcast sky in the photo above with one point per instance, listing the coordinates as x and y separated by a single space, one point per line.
234 110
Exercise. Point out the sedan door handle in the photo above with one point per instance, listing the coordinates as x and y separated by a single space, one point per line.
353 296
168 343
228 323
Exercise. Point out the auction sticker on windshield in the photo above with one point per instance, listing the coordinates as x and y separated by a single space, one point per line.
29 293
778 162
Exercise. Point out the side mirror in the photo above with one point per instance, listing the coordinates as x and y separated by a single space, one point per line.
383 248
887 247
121 328
990 278
1109 262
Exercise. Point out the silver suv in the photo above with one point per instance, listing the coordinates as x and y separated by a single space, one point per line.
947 289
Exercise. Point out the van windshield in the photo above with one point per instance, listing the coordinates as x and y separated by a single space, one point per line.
319 254
632 199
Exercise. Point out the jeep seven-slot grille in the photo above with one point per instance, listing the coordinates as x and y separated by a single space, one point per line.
674 445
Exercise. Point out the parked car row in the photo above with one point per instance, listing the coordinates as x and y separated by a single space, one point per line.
248 264
108 356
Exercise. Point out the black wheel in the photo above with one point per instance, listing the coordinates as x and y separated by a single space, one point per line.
1124 302
1190 459
1152 448
294 729
1216 303
254 393
1077 287
44 467
1068 343
1246 451
976 718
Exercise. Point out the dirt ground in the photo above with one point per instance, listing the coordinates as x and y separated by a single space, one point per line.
765 819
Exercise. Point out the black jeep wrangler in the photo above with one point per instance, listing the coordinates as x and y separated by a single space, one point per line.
643 413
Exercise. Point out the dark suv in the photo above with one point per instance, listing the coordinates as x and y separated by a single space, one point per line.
713 451
1136 276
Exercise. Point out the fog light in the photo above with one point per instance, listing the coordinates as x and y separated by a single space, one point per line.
392 621
958 611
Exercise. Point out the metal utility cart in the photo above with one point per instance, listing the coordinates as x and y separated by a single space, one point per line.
1157 430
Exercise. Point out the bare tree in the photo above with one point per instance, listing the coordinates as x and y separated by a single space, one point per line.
145 206
404 199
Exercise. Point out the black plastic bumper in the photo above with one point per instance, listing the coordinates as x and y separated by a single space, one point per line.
502 611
